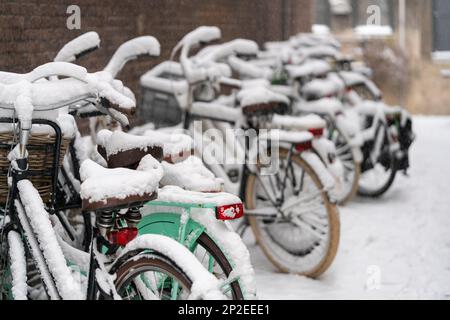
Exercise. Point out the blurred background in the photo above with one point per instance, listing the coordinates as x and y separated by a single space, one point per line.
407 49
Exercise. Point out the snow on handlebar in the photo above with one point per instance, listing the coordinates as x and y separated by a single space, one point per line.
223 51
63 69
25 97
200 35
146 45
78 47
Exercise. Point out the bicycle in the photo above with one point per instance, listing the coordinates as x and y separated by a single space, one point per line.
309 95
27 224
248 177
191 224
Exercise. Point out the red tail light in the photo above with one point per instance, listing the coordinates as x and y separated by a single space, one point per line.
230 212
122 236
304 146
318 132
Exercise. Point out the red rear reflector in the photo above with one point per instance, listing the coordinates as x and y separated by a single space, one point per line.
230 212
318 132
304 146
122 236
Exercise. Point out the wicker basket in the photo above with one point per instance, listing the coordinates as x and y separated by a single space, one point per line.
40 162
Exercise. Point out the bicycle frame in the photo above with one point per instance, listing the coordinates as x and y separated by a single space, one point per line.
19 221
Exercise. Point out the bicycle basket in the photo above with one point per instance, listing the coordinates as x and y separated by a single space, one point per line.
160 108
41 157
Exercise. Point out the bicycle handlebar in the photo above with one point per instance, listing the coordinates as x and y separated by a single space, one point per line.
78 47
64 69
201 35
132 49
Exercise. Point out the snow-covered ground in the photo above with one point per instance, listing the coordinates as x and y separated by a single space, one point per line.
396 247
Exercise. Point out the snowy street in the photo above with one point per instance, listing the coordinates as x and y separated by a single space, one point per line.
396 247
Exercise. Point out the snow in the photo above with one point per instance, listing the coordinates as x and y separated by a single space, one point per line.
340 7
40 222
368 31
26 98
145 45
259 95
324 50
205 285
85 42
18 266
118 141
233 247
100 184
395 247
310 121
174 144
222 51
190 174
176 194
320 29
312 67
324 175
322 106
57 69
323 87
216 111
286 136
201 34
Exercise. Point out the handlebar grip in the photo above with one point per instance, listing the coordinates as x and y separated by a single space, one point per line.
109 105
85 52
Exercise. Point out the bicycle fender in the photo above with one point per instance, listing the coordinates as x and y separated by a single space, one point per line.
168 224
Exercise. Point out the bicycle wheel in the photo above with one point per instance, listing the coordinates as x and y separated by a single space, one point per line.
151 277
220 265
347 188
13 268
305 240
378 175
216 256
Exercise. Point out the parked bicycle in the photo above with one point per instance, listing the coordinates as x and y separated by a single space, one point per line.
290 212
196 224
119 264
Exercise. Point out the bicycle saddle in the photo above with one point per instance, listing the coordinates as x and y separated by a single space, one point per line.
327 106
258 100
305 123
313 67
322 88
122 150
177 147
104 188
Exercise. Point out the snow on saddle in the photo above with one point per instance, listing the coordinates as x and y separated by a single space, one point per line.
304 123
126 150
258 100
191 175
104 188
317 89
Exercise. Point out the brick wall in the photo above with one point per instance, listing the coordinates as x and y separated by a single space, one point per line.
32 31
